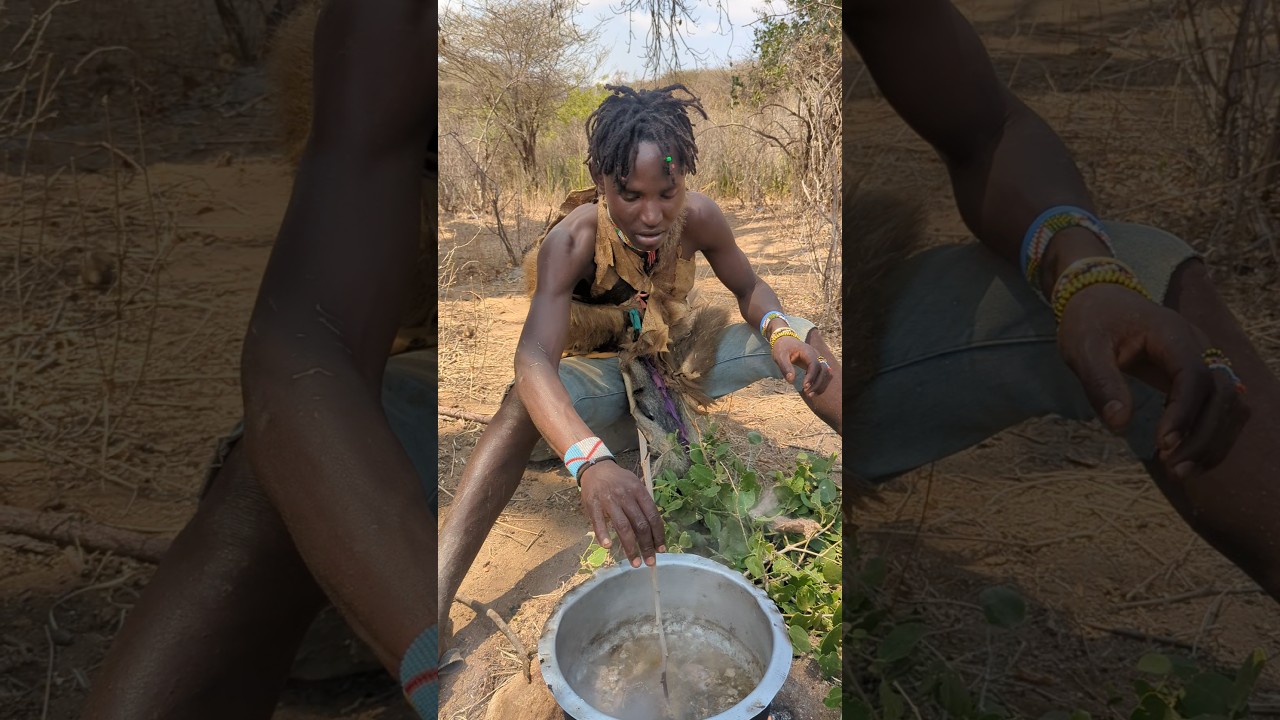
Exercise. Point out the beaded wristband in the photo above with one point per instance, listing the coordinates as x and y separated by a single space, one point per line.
764 321
583 454
1091 271
1038 235
419 675
1215 359
781 333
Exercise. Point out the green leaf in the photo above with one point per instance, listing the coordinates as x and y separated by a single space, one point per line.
1207 693
953 696
900 641
1153 707
831 571
597 557
1245 679
1155 664
754 437
1003 606
890 702
829 663
834 700
702 475
799 639
827 491
696 457
832 639
754 566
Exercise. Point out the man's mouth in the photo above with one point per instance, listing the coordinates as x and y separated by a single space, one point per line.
648 239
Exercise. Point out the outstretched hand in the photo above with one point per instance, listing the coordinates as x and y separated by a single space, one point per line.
609 491
1108 330
789 352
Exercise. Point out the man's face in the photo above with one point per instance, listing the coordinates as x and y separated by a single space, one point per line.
646 202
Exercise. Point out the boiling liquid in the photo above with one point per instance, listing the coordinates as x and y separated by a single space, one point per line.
708 672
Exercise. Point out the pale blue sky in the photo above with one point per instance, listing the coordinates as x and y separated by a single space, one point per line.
721 37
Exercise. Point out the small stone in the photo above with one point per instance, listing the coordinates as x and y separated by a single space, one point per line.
520 700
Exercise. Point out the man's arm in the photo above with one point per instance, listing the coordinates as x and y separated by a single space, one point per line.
1006 164
608 491
325 318
563 259
754 296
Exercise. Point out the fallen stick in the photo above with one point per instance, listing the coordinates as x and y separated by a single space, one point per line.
67 529
482 609
463 415
1139 635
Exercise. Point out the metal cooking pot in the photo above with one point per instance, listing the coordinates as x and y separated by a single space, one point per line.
620 595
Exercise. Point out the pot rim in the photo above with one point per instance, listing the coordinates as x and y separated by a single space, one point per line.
775 673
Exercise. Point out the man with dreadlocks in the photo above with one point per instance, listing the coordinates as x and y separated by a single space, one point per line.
614 273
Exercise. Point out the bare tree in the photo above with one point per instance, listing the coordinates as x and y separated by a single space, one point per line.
799 74
665 36
517 61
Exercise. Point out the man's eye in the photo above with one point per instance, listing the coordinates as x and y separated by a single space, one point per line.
630 198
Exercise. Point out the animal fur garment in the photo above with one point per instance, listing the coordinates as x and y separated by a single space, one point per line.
677 341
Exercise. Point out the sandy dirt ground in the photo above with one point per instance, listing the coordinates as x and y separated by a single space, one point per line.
115 393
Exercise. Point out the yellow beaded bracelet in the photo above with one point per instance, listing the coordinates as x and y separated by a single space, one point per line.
1092 271
781 333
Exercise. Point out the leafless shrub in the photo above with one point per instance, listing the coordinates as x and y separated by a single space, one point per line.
1232 53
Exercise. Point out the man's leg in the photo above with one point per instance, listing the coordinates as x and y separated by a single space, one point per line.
744 357
216 630
232 600
489 479
827 404
1235 506
497 464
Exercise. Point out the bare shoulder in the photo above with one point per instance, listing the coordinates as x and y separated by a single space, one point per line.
702 213
568 251
705 223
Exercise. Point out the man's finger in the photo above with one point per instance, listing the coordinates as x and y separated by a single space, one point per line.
622 526
658 525
788 372
598 525
823 377
1190 388
1105 385
813 371
1215 430
642 527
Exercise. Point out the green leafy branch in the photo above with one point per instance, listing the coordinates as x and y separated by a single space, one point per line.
793 553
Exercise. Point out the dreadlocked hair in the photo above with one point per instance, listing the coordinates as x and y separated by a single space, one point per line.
628 117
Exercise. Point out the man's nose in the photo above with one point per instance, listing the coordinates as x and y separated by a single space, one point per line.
651 214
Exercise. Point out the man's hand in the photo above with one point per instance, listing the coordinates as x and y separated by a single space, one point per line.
789 352
610 491
1107 330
